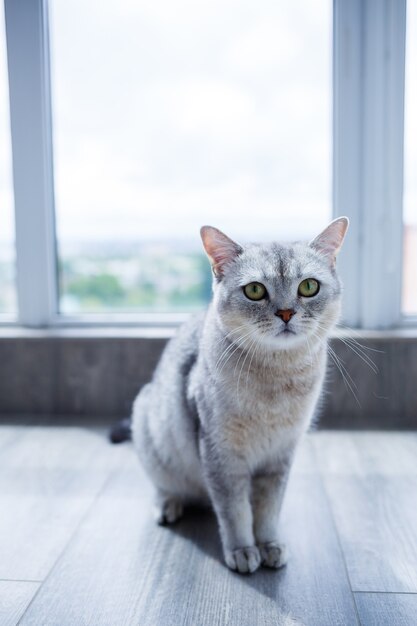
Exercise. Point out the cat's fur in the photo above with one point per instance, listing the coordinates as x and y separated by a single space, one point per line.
233 394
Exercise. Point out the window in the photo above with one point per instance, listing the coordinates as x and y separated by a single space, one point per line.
169 115
7 247
173 114
409 299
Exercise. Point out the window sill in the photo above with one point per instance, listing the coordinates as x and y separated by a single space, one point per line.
163 331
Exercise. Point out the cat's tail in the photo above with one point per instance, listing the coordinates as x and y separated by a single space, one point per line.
121 431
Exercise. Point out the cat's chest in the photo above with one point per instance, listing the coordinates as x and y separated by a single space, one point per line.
261 438
266 411
272 391
252 417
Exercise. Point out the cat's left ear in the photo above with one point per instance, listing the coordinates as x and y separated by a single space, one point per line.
220 249
330 240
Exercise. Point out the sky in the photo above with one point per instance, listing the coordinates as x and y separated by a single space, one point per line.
171 114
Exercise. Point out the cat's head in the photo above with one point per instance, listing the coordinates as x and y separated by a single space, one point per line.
277 294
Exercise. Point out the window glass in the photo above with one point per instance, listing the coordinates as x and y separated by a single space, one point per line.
7 245
173 114
410 164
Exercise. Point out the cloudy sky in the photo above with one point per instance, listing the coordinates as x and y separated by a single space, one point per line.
168 115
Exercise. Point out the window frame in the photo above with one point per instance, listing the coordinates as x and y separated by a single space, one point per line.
368 69
31 131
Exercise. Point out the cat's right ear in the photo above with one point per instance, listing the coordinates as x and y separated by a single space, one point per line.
329 242
219 248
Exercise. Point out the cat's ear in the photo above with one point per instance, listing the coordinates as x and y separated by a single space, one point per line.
329 242
219 248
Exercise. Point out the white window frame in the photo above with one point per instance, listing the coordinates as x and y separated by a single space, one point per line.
368 115
31 130
368 64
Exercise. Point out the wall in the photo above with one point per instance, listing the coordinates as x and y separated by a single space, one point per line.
99 375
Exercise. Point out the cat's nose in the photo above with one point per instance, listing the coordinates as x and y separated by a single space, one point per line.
285 314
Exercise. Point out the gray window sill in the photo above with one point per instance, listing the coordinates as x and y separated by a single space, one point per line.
165 332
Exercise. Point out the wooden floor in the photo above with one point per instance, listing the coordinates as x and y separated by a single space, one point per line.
78 544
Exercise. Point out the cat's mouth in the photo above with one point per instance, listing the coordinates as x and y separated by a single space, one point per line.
287 331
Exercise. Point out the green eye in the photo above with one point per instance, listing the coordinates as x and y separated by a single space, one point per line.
255 291
308 287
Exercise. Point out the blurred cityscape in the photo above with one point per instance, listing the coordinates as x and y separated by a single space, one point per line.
124 277
157 277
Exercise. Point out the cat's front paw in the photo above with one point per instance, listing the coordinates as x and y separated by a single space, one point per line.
169 511
273 554
243 560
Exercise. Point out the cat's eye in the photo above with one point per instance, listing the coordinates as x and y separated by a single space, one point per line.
254 291
308 287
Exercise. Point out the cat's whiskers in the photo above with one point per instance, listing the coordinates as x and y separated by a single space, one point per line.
267 360
361 354
352 331
256 330
232 345
231 332
259 344
229 337
254 344
357 349
239 345
345 374
347 378
241 368
309 350
244 351
249 344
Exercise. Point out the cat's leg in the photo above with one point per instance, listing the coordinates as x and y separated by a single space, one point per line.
267 495
231 501
230 496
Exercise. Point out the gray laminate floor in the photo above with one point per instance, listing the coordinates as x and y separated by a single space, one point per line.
78 544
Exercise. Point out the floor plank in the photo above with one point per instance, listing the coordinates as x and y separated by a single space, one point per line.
121 568
14 599
371 482
49 476
390 609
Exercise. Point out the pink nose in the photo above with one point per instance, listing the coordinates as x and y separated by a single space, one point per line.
285 314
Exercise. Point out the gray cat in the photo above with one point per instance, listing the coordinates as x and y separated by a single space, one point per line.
236 389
